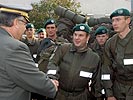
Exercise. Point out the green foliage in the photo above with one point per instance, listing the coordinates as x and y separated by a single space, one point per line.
44 10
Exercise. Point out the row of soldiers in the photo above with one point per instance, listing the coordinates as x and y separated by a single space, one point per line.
43 51
71 66
34 42
42 48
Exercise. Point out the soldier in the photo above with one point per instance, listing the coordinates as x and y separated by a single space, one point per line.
30 40
48 44
51 29
74 65
18 74
117 70
47 47
41 34
102 36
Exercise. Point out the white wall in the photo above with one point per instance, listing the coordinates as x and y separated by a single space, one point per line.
132 5
102 7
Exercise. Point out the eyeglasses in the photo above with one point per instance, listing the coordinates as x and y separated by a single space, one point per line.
25 22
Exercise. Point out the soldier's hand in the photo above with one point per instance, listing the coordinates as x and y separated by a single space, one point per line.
56 83
111 98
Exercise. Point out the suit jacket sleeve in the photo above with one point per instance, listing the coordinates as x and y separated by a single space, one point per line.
22 70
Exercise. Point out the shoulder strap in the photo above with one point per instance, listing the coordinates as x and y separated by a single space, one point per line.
56 47
64 49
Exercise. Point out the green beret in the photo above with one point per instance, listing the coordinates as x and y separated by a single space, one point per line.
49 21
101 30
40 30
29 25
82 27
120 12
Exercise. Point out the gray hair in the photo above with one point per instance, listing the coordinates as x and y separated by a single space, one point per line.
6 19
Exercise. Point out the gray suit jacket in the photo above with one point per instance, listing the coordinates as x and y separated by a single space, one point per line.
18 74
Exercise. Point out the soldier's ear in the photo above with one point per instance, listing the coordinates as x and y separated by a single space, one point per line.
34 29
56 29
128 20
88 37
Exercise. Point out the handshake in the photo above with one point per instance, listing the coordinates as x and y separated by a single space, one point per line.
56 83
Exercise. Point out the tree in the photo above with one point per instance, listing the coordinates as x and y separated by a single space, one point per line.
44 10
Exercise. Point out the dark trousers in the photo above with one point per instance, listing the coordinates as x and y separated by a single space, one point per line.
35 96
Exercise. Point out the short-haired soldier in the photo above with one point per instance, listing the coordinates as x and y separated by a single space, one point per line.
74 65
117 70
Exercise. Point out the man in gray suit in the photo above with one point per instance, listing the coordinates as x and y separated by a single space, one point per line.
18 74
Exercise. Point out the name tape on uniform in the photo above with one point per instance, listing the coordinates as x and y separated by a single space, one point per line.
128 61
86 74
105 77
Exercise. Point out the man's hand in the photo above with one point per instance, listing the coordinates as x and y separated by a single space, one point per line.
56 83
111 98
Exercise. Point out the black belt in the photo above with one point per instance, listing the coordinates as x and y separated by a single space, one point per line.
72 93
130 83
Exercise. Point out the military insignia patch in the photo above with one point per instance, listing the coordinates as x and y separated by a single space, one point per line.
82 27
52 21
103 31
120 11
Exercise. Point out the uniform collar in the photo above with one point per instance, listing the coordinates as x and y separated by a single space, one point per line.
2 30
74 49
125 40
